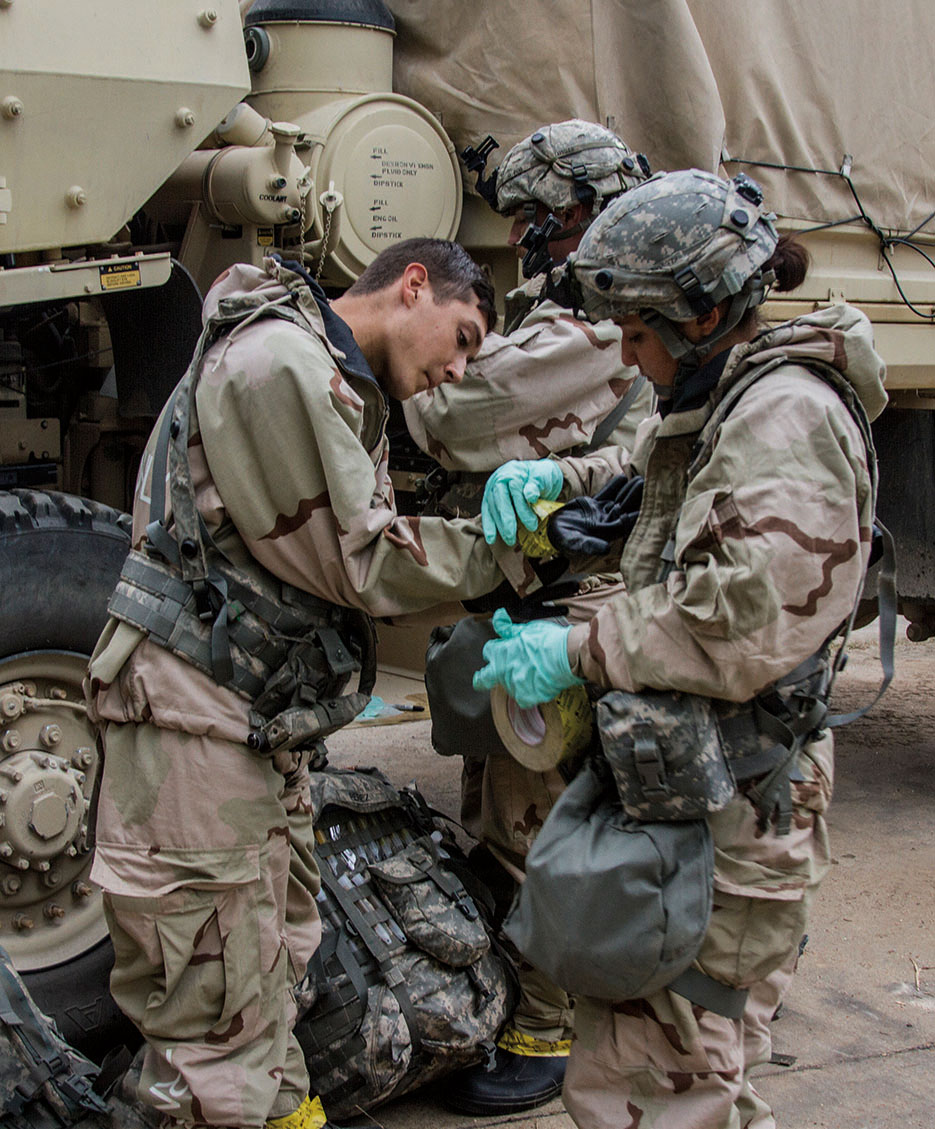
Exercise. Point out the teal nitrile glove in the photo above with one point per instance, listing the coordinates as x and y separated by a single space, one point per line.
529 659
510 492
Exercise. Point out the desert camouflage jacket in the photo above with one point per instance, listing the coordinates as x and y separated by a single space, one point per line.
767 540
290 470
543 389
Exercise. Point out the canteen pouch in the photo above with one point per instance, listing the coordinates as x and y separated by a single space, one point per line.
612 907
664 750
462 723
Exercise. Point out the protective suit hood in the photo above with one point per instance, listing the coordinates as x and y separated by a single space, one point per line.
840 336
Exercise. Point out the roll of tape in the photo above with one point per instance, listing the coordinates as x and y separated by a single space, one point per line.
535 542
543 736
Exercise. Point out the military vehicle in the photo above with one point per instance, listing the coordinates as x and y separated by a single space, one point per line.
145 147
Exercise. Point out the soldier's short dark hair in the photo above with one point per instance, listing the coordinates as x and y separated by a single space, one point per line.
452 273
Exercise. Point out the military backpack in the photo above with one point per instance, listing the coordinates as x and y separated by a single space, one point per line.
47 1084
408 983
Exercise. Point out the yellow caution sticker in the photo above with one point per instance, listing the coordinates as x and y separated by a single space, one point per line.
309 1115
119 276
519 1043
264 236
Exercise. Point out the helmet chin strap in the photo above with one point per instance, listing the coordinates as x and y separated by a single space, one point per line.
690 354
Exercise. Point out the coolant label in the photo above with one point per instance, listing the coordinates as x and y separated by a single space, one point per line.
119 276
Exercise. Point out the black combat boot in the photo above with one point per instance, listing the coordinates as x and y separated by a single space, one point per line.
507 1083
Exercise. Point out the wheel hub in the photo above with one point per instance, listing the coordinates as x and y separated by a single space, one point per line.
49 911
44 812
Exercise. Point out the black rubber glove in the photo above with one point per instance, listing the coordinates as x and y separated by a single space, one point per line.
589 526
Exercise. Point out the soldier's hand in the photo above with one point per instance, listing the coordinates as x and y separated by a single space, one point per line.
530 660
510 493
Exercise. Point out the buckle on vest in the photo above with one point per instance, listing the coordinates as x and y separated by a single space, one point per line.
204 605
647 759
337 656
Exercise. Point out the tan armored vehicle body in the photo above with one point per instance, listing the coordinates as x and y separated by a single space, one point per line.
145 147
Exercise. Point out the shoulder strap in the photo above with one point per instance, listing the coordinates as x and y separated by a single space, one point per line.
616 414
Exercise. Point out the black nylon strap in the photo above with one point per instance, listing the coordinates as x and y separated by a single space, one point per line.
47 1062
708 993
616 414
381 953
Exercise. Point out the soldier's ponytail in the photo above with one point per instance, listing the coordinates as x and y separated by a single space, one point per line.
790 261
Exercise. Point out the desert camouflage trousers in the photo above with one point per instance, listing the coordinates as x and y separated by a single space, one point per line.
205 855
503 805
665 1063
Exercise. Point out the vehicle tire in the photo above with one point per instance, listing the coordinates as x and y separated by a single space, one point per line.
60 557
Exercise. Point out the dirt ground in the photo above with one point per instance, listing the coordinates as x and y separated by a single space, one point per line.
858 1028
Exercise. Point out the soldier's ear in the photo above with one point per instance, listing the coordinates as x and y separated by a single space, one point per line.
575 213
413 283
708 322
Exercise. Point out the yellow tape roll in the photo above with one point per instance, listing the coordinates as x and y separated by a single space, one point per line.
535 542
542 737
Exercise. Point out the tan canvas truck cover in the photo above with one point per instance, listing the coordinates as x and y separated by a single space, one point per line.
841 86
685 81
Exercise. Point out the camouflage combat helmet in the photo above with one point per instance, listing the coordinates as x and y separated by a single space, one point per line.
672 249
566 163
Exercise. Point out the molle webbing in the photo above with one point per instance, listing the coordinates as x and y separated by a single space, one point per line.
45 1059
260 629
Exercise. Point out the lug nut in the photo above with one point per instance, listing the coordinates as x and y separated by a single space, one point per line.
21 921
82 757
54 912
208 17
50 736
11 705
11 741
51 878
11 884
22 864
184 118
58 693
81 889
5 850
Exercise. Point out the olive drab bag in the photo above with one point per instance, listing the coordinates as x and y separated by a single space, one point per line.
47 1084
589 862
408 983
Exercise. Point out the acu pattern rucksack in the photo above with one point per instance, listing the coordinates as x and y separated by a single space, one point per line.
407 984
45 1083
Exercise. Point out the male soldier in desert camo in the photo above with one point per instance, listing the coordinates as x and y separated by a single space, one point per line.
265 534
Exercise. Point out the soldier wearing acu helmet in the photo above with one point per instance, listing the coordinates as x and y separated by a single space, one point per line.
552 384
746 557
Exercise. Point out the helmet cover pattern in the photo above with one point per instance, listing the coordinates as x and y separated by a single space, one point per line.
564 163
678 245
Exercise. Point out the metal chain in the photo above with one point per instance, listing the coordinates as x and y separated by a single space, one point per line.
324 242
